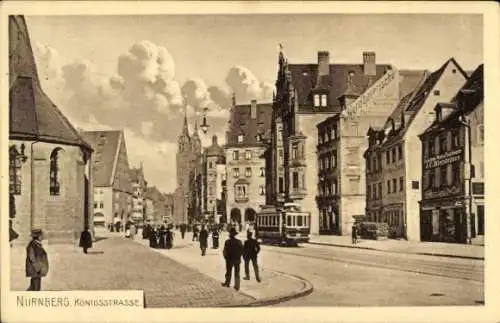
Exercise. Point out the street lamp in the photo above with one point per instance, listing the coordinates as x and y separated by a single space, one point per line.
204 126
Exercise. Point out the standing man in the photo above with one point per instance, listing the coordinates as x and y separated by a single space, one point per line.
37 263
251 249
354 233
183 230
233 249
168 238
215 237
203 240
86 239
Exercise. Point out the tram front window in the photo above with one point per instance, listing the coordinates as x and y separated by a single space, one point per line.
289 220
299 221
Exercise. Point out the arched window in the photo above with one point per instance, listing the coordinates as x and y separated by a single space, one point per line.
54 172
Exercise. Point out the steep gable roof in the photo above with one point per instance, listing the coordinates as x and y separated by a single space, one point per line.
32 115
305 77
105 145
242 123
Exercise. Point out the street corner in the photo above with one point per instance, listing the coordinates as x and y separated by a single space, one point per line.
275 287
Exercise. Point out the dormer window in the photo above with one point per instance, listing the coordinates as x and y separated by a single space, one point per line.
316 100
323 100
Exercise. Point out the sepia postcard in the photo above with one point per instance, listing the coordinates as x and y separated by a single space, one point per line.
249 161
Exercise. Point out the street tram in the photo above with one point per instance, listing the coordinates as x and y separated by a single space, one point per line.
287 225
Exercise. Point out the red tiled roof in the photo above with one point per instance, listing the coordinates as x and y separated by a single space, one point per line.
105 145
32 115
242 123
304 79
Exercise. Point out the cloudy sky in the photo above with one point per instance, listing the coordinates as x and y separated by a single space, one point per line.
135 72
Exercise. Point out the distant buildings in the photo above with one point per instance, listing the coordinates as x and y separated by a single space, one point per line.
139 185
110 170
245 162
159 206
393 158
189 163
49 162
452 204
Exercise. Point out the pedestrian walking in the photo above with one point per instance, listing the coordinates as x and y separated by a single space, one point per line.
86 239
162 235
233 249
153 238
168 238
354 234
251 249
37 262
183 230
203 240
215 238
195 233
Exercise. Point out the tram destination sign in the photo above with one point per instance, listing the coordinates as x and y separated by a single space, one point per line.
443 159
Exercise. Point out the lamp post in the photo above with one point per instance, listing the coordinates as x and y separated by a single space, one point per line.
204 126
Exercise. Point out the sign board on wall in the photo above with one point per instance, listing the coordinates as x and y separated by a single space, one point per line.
443 159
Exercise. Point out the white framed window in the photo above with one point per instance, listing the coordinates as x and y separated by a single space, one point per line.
236 172
323 100
316 100
248 154
236 155
241 191
240 138
248 172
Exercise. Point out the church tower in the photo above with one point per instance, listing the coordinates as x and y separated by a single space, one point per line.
196 141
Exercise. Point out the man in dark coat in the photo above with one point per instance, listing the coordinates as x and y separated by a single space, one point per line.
153 238
183 230
233 249
86 239
195 232
37 262
251 249
203 240
215 238
354 233
145 231
162 234
168 238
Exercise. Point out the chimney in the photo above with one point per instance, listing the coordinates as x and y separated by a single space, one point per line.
253 109
369 65
323 63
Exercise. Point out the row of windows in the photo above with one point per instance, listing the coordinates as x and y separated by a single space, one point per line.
374 164
248 172
328 161
241 191
327 188
326 135
374 191
268 220
446 175
98 205
392 218
236 155
440 144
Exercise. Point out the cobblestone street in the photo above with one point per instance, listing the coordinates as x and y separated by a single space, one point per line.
120 264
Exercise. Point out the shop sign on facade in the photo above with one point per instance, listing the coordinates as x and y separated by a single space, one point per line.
443 159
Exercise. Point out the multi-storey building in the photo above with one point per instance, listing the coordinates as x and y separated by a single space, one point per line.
159 204
111 173
452 205
139 185
189 158
213 163
50 181
393 158
353 95
245 163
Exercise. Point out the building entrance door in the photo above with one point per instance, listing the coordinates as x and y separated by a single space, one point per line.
426 225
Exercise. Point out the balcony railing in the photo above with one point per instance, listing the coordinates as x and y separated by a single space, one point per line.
298 193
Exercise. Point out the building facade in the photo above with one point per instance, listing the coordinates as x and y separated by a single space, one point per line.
49 162
110 169
188 163
350 97
245 162
213 163
159 206
452 205
393 158
139 185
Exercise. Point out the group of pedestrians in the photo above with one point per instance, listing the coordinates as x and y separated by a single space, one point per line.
233 251
159 237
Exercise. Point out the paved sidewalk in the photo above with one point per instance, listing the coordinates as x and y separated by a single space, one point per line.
273 288
423 248
121 264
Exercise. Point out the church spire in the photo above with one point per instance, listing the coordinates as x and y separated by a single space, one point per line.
185 130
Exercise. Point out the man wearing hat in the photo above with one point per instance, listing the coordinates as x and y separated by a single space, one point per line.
37 263
233 249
